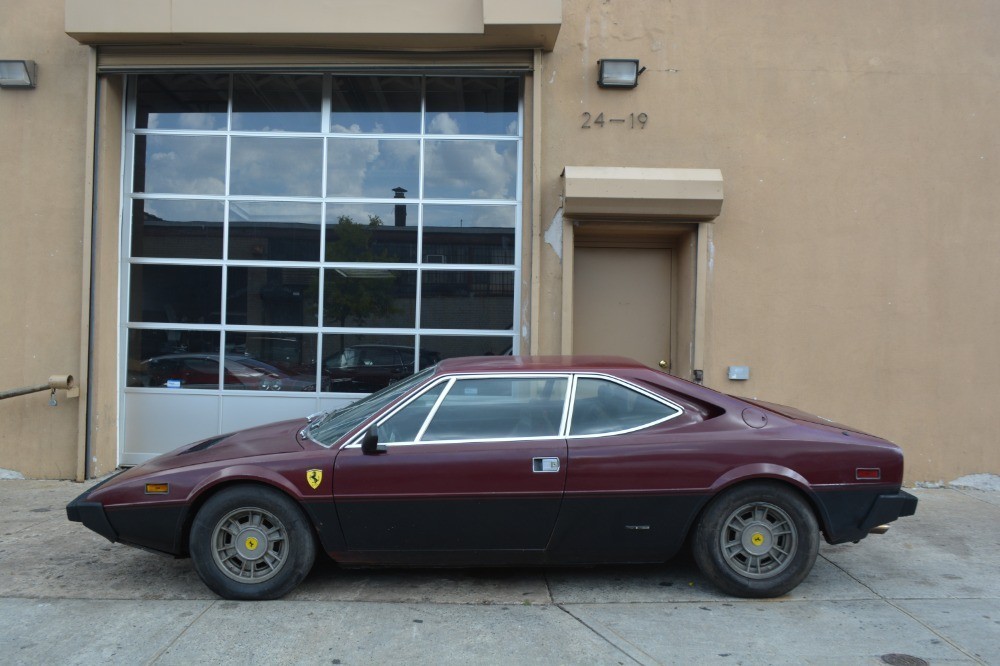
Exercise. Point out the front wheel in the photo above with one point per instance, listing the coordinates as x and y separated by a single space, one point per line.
757 540
251 542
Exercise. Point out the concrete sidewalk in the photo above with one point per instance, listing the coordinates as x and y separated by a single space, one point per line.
928 590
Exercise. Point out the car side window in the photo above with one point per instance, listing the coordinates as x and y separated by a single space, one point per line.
602 406
499 408
404 425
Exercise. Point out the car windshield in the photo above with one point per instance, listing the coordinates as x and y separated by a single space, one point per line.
334 425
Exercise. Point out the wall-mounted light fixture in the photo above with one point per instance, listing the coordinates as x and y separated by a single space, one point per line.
17 73
618 72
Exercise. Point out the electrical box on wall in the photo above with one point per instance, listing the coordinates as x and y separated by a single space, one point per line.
739 372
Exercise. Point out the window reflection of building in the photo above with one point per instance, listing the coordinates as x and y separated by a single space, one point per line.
295 247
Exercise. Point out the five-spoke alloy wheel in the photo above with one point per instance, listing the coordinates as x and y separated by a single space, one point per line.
251 542
757 540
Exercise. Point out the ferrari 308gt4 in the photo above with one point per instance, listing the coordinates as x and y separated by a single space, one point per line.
508 460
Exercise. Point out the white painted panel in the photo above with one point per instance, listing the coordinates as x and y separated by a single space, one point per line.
247 410
159 422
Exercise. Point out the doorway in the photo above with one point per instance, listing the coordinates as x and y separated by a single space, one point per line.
623 302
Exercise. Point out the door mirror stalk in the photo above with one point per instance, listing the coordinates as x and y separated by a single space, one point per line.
369 443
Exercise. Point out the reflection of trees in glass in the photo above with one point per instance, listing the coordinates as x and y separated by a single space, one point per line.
356 294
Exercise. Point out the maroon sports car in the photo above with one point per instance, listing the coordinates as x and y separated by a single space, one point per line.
513 461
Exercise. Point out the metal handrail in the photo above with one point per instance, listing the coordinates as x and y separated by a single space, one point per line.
55 382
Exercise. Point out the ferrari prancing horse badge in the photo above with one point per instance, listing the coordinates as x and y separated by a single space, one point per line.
313 477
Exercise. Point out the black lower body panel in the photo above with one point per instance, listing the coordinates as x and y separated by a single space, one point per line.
849 515
154 528
92 515
623 528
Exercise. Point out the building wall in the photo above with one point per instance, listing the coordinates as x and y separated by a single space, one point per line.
42 160
854 265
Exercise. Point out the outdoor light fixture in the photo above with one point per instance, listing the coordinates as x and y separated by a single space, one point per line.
618 73
17 73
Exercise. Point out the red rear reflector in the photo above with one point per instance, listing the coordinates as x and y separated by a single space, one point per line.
868 474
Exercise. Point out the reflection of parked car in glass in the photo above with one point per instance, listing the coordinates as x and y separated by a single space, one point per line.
368 368
202 371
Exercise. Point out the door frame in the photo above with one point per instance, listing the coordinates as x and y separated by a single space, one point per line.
691 245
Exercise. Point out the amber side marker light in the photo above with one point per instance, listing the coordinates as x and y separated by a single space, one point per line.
157 488
868 474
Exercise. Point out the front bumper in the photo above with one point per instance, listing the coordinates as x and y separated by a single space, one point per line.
91 514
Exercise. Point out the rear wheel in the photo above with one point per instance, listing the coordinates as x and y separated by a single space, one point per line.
757 540
251 542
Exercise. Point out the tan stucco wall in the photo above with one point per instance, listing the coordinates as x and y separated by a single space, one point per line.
42 148
854 266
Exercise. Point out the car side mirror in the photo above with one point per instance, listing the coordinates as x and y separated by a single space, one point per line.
369 443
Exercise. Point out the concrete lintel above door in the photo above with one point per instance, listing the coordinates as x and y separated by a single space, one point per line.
642 193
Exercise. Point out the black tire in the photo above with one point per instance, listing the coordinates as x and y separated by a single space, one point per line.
757 540
251 542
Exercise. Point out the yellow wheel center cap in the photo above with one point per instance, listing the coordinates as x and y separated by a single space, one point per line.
251 543
757 539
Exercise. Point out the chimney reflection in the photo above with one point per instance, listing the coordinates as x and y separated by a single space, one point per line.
400 211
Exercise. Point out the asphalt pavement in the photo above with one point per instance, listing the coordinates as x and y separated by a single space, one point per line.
926 592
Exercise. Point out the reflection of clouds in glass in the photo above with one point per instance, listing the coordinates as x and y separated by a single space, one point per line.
470 169
443 123
341 129
512 128
185 165
279 167
348 166
371 167
355 128
186 121
400 151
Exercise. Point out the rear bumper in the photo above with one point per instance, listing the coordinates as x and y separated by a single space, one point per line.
850 515
888 508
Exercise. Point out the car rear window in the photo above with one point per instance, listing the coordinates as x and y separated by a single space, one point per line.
602 406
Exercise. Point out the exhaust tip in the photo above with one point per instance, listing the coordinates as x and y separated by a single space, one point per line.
879 529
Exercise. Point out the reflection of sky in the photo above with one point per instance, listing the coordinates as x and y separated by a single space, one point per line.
372 167
182 164
470 169
276 167
366 166
455 169
188 121
471 122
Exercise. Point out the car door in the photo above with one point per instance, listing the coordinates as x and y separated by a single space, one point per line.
621 503
472 465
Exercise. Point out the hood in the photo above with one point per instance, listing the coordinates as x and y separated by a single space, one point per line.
263 440
799 415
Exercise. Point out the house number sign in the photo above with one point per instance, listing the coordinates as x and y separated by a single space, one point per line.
631 121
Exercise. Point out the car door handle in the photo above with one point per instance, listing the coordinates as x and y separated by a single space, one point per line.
545 464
